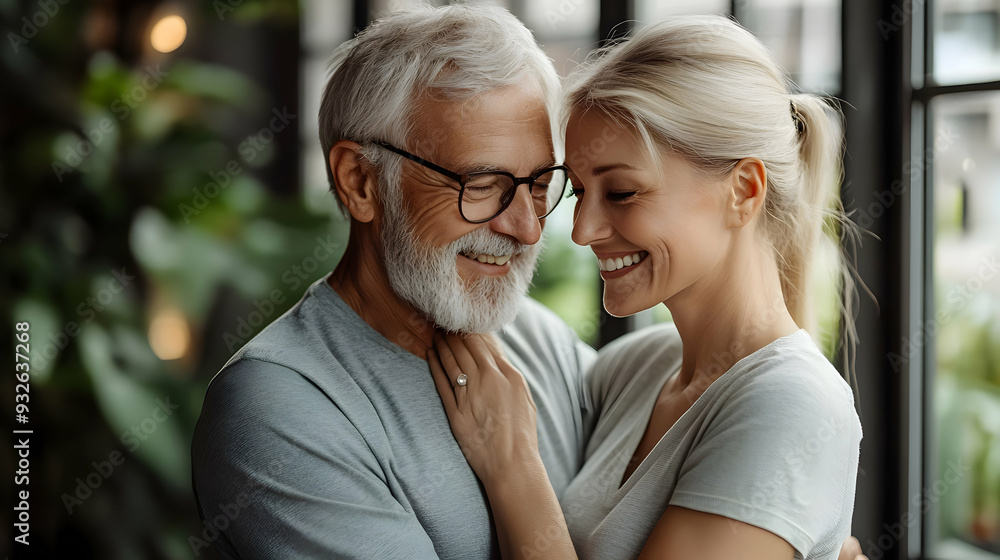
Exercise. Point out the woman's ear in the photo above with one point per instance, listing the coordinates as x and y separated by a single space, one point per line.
748 182
353 179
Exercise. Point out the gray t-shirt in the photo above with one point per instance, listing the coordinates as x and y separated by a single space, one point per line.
322 439
773 442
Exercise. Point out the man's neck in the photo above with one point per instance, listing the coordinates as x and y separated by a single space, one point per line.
361 281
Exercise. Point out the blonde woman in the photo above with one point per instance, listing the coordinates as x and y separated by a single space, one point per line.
704 183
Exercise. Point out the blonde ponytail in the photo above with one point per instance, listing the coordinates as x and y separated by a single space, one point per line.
821 226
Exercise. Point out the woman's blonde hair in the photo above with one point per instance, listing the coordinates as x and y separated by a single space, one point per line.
705 88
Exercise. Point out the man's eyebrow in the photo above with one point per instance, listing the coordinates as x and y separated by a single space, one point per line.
598 171
475 167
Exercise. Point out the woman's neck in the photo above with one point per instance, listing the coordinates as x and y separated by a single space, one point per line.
739 311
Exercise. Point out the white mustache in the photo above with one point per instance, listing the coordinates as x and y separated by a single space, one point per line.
485 242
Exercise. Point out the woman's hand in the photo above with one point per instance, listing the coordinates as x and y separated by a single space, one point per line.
851 550
488 404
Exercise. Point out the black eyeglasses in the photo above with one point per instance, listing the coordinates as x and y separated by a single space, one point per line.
484 195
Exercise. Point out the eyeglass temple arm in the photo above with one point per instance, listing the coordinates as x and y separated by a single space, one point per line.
422 161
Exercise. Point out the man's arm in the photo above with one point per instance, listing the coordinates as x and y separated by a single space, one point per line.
281 472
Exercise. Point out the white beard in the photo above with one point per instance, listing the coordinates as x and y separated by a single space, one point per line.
427 277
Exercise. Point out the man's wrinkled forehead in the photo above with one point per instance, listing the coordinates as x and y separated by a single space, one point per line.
510 124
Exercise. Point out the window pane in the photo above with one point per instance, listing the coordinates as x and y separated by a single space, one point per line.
965 320
804 36
324 26
647 11
567 277
966 41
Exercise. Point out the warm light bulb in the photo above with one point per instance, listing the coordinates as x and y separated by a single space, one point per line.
169 335
168 34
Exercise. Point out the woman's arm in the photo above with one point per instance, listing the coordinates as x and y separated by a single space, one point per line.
686 533
493 419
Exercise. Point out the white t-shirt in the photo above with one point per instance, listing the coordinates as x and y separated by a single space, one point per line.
773 442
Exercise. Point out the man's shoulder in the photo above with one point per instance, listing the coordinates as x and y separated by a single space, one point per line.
541 332
294 335
297 355
628 365
533 312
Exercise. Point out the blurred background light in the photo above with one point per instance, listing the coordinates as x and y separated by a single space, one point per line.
169 335
168 34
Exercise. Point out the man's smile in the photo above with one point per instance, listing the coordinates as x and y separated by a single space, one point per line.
498 260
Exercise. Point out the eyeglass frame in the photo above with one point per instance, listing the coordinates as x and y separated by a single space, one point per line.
463 178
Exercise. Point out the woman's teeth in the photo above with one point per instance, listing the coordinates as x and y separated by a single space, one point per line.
489 259
610 265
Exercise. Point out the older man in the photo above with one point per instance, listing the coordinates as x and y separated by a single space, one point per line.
324 436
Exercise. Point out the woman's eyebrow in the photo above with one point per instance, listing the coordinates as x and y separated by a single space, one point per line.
600 170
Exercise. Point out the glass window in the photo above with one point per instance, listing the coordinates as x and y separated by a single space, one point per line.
325 25
647 11
966 41
567 277
804 36
965 319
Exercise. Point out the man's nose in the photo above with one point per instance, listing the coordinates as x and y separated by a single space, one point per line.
519 220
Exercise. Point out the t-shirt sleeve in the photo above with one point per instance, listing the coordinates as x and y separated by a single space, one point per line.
781 454
267 488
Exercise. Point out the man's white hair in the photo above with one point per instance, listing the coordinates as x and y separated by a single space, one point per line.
454 52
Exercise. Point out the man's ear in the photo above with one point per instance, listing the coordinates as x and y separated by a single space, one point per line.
354 180
748 182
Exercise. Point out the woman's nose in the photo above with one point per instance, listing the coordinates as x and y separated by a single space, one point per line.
589 224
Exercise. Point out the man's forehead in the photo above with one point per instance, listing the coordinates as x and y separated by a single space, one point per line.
502 129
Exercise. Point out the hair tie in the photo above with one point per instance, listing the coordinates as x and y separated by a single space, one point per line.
796 118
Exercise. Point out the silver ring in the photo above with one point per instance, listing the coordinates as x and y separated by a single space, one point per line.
462 380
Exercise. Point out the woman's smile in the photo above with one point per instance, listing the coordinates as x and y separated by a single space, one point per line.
618 265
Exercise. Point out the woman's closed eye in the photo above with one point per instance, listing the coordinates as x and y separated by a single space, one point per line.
619 196
614 196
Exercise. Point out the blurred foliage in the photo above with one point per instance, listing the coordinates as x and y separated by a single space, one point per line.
566 282
127 191
967 403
